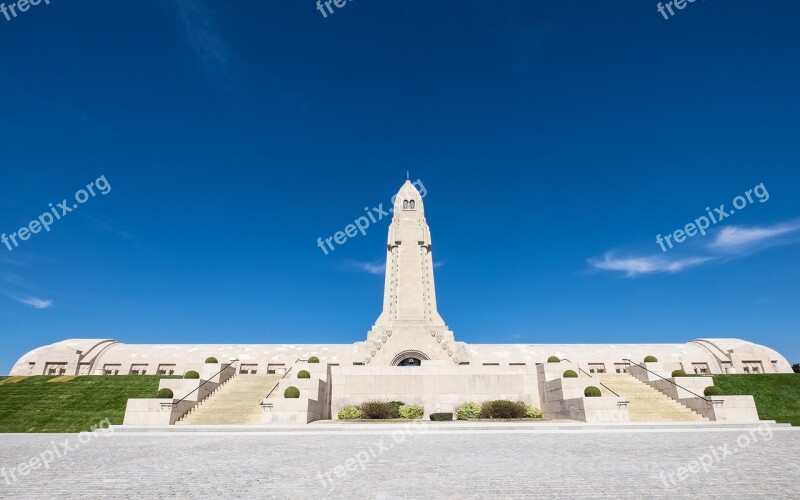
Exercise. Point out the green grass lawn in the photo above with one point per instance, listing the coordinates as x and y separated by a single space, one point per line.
777 396
68 404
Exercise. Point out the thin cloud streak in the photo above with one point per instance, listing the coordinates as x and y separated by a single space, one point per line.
729 243
742 238
368 267
637 266
36 303
201 33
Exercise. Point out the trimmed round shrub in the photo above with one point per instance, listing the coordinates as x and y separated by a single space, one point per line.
469 411
191 374
441 417
395 404
291 392
592 392
503 409
713 390
380 410
532 412
350 413
164 394
570 374
678 373
650 359
212 359
411 411
553 359
303 374
313 359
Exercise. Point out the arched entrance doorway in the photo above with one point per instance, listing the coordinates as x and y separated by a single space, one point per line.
409 358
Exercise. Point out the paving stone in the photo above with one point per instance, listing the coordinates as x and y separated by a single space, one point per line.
600 464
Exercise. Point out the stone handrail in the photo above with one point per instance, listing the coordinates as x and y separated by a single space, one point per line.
207 381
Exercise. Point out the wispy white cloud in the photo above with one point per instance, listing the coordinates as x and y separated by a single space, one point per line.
14 286
36 303
726 244
636 266
377 268
201 32
367 267
744 239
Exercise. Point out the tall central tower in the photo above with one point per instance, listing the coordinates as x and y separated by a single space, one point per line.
410 327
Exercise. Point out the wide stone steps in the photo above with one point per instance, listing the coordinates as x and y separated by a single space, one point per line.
646 404
237 402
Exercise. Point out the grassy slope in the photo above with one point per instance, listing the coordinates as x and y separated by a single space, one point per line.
777 396
68 404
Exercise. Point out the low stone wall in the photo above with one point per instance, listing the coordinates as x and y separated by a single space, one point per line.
165 411
436 386
155 411
602 409
694 384
313 403
738 408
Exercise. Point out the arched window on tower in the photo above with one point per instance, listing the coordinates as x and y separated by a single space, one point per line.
405 204
411 204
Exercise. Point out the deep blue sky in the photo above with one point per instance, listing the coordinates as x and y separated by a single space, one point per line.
555 140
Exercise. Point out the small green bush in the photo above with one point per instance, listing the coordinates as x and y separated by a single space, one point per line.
395 404
191 374
379 410
713 390
291 392
441 417
469 411
570 374
350 413
411 411
532 412
313 359
650 359
553 359
592 392
211 360
678 373
502 409
164 394
303 374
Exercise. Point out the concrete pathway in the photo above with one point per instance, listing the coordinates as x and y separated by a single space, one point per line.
407 462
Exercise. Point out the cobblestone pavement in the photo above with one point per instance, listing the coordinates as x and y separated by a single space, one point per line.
404 464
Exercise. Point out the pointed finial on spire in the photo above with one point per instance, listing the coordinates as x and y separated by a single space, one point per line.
408 175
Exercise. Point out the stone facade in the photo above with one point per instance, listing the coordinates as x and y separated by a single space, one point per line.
409 354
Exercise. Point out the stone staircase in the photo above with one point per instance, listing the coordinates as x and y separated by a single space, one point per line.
238 401
646 404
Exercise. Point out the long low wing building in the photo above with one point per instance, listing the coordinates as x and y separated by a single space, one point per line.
109 357
408 332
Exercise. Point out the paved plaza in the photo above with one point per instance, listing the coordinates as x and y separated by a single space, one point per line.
409 463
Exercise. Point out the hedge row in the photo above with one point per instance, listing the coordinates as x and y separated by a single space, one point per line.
381 410
497 409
